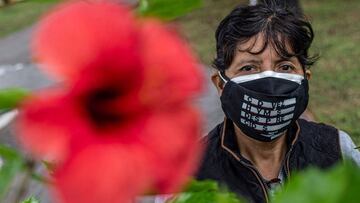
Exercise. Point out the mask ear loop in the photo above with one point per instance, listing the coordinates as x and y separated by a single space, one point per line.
223 76
304 70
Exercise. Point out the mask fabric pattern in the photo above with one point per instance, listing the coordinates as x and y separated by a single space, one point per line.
266 104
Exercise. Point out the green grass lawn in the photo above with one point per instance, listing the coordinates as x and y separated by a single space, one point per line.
335 85
19 15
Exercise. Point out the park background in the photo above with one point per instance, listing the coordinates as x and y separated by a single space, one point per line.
334 87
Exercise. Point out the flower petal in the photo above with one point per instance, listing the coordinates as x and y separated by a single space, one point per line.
102 173
173 138
80 34
39 126
172 73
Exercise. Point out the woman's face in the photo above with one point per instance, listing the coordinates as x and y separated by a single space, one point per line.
245 63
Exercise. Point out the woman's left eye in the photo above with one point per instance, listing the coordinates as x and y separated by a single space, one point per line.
286 68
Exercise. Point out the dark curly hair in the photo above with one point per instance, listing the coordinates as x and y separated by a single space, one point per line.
278 25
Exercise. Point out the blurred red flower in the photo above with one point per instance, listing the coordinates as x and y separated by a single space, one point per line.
122 123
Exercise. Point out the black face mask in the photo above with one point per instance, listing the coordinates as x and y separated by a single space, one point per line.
266 104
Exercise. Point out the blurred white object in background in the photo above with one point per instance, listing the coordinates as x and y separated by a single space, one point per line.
252 2
7 117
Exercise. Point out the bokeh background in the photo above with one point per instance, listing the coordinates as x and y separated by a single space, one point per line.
335 85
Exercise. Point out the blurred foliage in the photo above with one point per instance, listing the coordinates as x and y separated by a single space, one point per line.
205 192
10 98
167 9
11 165
31 200
340 184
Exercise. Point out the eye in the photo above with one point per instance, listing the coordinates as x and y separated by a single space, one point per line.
286 68
248 68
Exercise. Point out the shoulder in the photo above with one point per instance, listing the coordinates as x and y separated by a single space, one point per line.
213 138
319 143
314 127
348 147
318 133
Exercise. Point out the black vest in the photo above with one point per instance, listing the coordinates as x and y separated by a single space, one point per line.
310 144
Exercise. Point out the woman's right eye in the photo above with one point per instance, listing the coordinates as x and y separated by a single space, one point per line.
248 68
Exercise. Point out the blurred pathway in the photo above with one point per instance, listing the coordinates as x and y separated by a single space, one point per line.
16 69
15 48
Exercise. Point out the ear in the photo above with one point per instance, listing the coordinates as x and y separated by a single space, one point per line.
218 82
308 74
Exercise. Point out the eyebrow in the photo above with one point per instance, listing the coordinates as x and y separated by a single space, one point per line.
250 61
282 59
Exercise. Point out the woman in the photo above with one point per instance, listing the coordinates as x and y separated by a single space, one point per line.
262 78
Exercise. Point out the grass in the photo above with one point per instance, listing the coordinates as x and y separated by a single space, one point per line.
335 85
22 14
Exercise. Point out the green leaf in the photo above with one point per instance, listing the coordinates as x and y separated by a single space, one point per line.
11 164
205 192
167 9
340 184
198 186
10 98
31 200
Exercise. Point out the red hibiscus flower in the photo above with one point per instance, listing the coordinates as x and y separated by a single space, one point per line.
122 123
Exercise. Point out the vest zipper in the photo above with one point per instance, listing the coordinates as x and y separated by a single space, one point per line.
287 160
287 167
258 177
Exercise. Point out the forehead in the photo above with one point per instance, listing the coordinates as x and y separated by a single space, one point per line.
259 44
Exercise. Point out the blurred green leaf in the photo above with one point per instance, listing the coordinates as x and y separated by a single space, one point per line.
198 186
31 200
167 9
205 192
10 98
340 184
11 164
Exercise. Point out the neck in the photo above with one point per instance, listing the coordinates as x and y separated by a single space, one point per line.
266 156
